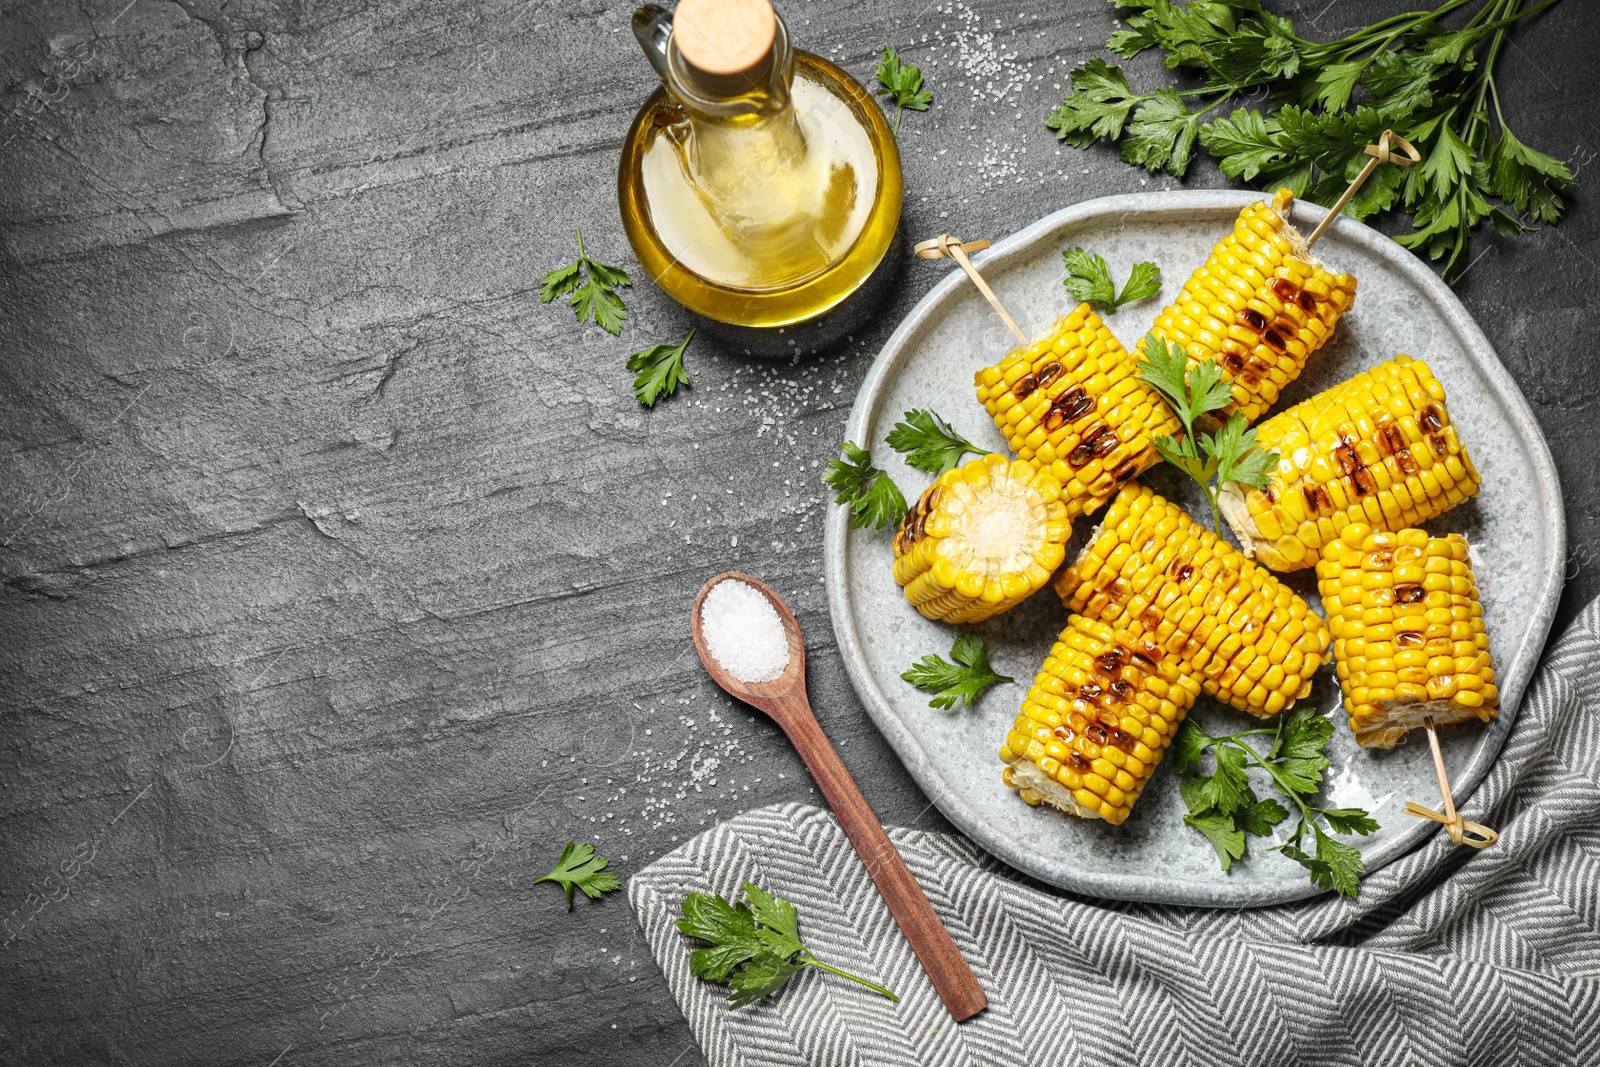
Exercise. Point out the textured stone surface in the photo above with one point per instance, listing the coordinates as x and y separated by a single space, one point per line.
341 578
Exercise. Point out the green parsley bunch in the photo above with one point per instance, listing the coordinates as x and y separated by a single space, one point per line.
1327 100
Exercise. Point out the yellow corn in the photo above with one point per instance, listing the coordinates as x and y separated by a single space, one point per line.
1258 307
1154 573
982 539
1073 403
1378 449
1407 632
1096 722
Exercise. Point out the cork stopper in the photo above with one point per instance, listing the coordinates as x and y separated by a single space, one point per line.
726 45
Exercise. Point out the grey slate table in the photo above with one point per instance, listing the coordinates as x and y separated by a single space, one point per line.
344 582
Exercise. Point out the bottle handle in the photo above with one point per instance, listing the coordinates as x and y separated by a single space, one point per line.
652 28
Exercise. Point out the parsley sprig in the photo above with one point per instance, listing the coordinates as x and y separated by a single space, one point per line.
1089 279
873 498
1431 84
660 371
903 81
580 868
593 287
1232 454
963 680
1223 805
755 946
928 442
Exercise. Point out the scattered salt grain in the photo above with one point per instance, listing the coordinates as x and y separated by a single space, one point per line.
743 632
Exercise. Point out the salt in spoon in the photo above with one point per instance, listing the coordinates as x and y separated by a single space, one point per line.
783 699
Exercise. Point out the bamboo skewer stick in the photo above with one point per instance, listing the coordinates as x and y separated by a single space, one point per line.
1460 830
1380 154
946 247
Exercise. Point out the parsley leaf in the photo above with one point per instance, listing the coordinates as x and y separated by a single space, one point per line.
1527 179
903 82
1244 143
1259 818
1232 453
1162 134
1223 805
1219 830
1190 744
1098 107
762 976
661 371
1089 279
730 928
1239 455
1349 821
964 679
1144 279
928 442
755 945
580 868
873 498
596 298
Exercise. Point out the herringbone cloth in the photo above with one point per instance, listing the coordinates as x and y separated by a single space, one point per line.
1449 956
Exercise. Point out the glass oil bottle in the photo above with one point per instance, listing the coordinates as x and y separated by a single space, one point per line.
760 186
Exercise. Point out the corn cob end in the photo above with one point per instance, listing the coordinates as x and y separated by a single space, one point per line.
982 539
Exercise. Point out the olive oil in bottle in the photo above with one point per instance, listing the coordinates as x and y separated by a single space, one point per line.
760 185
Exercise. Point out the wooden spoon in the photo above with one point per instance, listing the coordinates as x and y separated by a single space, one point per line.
784 701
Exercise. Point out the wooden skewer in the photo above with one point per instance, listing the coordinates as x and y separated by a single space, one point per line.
1380 154
1460 830
946 247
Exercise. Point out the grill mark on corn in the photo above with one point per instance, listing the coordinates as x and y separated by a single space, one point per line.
1070 406
1096 443
1126 469
1031 383
1409 593
1393 438
1111 662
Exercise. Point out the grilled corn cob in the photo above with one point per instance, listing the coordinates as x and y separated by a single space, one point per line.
1258 306
1153 573
1073 403
1407 632
983 538
1378 449
1096 722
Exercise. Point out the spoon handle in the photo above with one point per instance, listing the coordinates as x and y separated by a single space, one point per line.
952 979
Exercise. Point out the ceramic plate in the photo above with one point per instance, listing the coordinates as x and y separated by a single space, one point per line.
1515 524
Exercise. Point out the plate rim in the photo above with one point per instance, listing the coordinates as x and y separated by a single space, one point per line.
1156 888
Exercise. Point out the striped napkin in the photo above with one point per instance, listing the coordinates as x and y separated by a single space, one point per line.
1449 956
